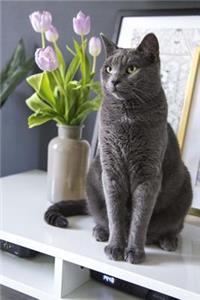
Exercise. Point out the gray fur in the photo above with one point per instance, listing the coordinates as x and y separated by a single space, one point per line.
138 188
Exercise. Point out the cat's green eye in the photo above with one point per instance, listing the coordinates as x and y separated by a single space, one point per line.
131 69
109 69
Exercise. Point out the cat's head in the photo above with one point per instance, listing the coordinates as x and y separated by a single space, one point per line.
131 73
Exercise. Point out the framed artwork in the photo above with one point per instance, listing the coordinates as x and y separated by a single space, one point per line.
178 32
191 142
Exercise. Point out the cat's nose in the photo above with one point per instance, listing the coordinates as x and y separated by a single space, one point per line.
115 82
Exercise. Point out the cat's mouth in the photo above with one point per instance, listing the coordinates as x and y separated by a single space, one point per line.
115 91
117 95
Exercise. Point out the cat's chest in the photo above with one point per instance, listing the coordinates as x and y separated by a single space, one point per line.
124 134
130 137
126 120
127 131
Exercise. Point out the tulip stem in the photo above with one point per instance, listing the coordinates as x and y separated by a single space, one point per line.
63 101
83 52
43 39
94 63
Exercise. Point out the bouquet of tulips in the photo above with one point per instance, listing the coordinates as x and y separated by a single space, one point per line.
59 95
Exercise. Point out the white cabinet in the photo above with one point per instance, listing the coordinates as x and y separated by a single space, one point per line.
62 273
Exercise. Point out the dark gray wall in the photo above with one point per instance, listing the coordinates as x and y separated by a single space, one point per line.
22 148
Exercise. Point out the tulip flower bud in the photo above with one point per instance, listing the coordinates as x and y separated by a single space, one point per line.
40 21
52 34
94 46
46 59
81 24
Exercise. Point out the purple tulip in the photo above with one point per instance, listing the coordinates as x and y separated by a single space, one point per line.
94 46
46 59
40 21
81 24
52 34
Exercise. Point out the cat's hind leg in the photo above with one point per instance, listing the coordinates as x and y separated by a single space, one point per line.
167 242
98 210
163 230
165 225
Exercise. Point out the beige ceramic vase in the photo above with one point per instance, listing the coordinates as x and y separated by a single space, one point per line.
68 159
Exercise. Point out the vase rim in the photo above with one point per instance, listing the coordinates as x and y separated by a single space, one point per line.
70 126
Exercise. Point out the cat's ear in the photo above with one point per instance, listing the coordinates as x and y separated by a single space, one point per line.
109 46
149 46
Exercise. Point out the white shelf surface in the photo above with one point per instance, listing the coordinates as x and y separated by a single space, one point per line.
23 203
93 290
34 277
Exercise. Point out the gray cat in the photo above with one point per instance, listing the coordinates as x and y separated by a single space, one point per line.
138 188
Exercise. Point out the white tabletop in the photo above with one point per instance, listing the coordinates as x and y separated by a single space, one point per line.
23 203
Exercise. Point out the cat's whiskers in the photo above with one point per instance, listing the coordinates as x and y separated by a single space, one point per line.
138 97
142 94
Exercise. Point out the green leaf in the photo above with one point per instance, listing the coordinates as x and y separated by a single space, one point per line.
40 83
73 96
95 87
43 112
38 119
90 104
36 104
70 50
59 100
57 90
87 69
60 59
78 49
72 69
17 76
84 61
57 93
86 108
52 81
18 58
74 84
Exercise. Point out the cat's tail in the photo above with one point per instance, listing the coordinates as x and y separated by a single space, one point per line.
56 214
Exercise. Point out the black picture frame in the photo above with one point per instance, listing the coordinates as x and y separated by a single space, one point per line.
150 13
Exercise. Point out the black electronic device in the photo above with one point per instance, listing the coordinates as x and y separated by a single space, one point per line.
129 288
17 250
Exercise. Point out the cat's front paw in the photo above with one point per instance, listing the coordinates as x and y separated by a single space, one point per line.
114 252
100 233
134 255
